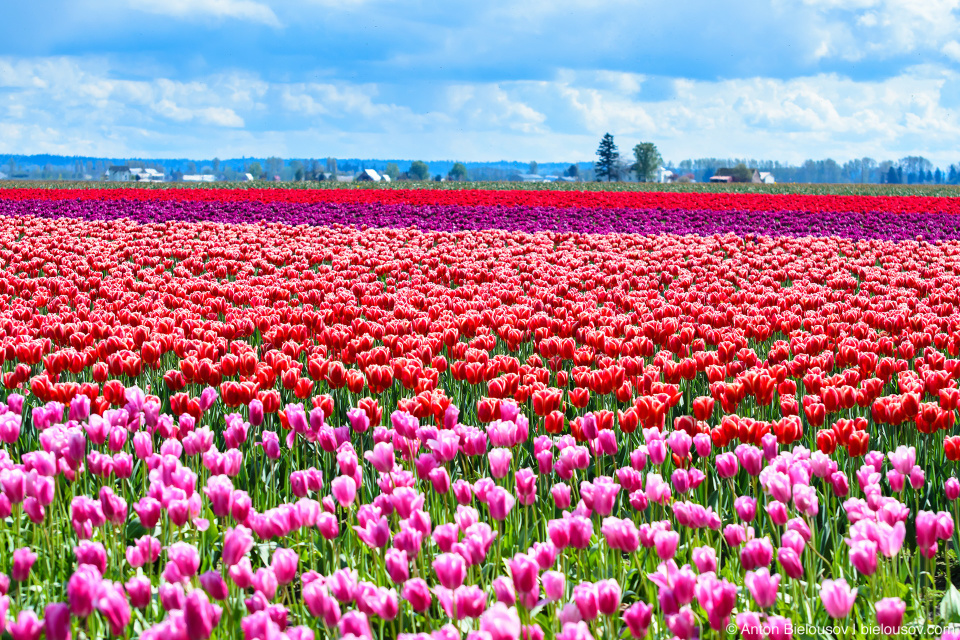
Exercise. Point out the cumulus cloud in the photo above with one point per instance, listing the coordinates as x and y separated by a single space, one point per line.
192 9
84 106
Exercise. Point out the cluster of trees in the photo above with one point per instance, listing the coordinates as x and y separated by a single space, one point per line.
907 170
611 167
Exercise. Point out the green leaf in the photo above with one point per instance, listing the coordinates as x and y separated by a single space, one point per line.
134 530
950 606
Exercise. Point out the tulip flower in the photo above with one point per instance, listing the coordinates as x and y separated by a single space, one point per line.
23 559
890 615
837 598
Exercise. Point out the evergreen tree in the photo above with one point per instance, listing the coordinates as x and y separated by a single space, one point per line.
606 166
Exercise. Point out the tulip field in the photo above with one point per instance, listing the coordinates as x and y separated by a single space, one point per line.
478 414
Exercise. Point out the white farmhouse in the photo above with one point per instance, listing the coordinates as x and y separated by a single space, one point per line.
664 175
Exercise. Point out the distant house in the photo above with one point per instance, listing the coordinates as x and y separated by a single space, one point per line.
133 174
118 174
199 178
3 176
665 175
767 178
368 175
527 177
247 177
729 173
721 179
385 178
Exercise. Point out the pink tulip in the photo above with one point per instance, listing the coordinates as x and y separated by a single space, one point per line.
284 565
112 605
343 585
344 490
890 615
214 584
265 581
544 553
375 534
526 482
917 478
561 495
398 567
219 491
926 523
450 569
637 617
140 592
186 557
682 624
463 492
746 508
778 513
574 631
82 590
790 562
417 593
585 597
608 597
763 587
622 535
499 460
726 465
840 484
554 584
26 627
779 628
524 571
837 598
718 598
863 556
903 459
756 553
320 604
23 560
200 615
381 457
666 543
56 621
750 626
705 559
148 509
951 489
500 623
236 544
504 591
734 534
500 503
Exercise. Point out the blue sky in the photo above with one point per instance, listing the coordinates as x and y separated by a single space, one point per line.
538 80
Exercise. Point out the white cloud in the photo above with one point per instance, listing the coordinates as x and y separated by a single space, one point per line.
78 106
190 9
